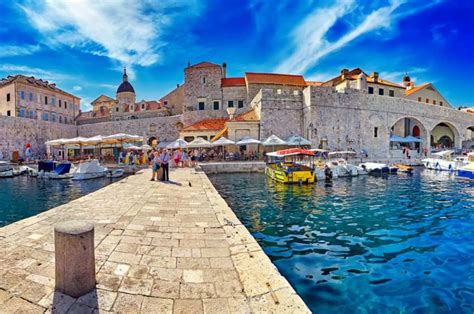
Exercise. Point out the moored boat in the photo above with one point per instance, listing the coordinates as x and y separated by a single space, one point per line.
374 168
115 173
6 170
339 165
290 166
444 161
467 171
404 168
89 170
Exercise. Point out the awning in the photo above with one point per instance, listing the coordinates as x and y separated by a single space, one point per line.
408 139
223 141
273 140
247 141
199 143
221 133
297 140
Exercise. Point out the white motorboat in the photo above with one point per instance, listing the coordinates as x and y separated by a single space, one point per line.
115 173
375 168
6 170
339 165
444 161
89 170
53 171
467 171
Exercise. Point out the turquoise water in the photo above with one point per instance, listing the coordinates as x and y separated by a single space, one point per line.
401 244
22 197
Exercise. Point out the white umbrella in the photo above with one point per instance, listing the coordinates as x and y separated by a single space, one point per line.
179 143
199 143
273 140
223 141
146 147
163 144
247 141
297 140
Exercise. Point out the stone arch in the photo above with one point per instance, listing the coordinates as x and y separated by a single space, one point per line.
445 135
408 126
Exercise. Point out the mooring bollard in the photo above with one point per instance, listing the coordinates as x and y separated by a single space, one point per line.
74 256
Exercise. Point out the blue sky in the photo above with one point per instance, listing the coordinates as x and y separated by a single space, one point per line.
83 45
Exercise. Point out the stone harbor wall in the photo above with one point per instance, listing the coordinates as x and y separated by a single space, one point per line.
356 120
161 128
16 132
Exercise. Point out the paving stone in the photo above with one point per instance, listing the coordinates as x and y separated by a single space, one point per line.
193 263
99 299
139 271
216 306
127 303
18 305
136 286
197 290
158 261
188 307
165 289
157 305
166 274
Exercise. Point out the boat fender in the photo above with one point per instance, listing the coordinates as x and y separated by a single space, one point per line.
437 165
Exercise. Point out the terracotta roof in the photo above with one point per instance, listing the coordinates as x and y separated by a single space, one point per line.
383 82
203 64
352 74
31 80
416 89
208 124
313 83
250 115
232 81
273 78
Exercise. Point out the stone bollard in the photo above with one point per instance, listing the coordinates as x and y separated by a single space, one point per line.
74 256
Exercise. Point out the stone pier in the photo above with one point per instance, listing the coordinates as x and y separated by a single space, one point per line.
160 248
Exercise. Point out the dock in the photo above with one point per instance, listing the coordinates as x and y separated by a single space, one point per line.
160 248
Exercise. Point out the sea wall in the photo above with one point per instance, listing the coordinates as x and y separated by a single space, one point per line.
16 132
233 167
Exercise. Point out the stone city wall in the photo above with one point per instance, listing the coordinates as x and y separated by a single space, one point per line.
16 132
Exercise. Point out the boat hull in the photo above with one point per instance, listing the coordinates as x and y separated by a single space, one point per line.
280 175
465 174
6 174
88 176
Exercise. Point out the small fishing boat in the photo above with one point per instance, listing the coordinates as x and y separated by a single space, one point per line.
294 165
444 161
404 168
339 165
6 170
48 169
89 170
374 168
467 171
115 173
62 171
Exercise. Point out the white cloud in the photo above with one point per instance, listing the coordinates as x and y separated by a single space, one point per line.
77 88
309 37
397 76
130 32
13 69
13 50
111 86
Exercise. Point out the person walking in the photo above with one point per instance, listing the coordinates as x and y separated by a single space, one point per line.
155 165
164 160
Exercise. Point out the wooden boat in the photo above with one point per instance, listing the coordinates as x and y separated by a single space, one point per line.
404 168
294 165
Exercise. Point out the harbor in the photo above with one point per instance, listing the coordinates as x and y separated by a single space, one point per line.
166 248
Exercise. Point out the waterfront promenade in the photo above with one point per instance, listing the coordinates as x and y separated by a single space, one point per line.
160 248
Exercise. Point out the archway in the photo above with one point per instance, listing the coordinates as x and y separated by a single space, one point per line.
408 137
444 136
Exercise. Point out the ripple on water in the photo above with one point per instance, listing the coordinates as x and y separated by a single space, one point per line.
400 244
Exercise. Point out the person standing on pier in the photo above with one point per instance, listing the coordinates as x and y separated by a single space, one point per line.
165 159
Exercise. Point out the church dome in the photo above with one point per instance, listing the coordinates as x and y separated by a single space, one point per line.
406 78
125 87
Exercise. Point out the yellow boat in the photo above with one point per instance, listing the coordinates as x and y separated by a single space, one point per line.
404 168
286 166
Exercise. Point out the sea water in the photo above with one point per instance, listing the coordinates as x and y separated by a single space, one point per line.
399 244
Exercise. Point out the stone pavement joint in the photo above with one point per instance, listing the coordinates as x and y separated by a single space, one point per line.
160 248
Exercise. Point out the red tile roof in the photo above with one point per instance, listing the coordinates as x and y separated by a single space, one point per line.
416 89
232 81
313 83
276 79
208 124
204 64
352 74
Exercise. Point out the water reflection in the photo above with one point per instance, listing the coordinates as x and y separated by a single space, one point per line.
400 243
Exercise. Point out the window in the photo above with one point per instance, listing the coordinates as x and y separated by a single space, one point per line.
22 112
45 100
9 113
8 97
230 104
65 120
65 105
381 91
419 99
116 109
59 103
391 93
376 132
165 103
371 90
60 119
53 117
53 101
434 102
427 100
240 104
31 96
201 105
204 80
45 116
216 105
143 106
440 103
22 94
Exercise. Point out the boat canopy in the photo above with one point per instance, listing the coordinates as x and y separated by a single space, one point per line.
247 141
273 140
223 141
444 153
408 139
179 143
62 168
291 152
199 143
92 166
297 140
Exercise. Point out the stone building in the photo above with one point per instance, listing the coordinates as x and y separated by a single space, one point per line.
28 97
